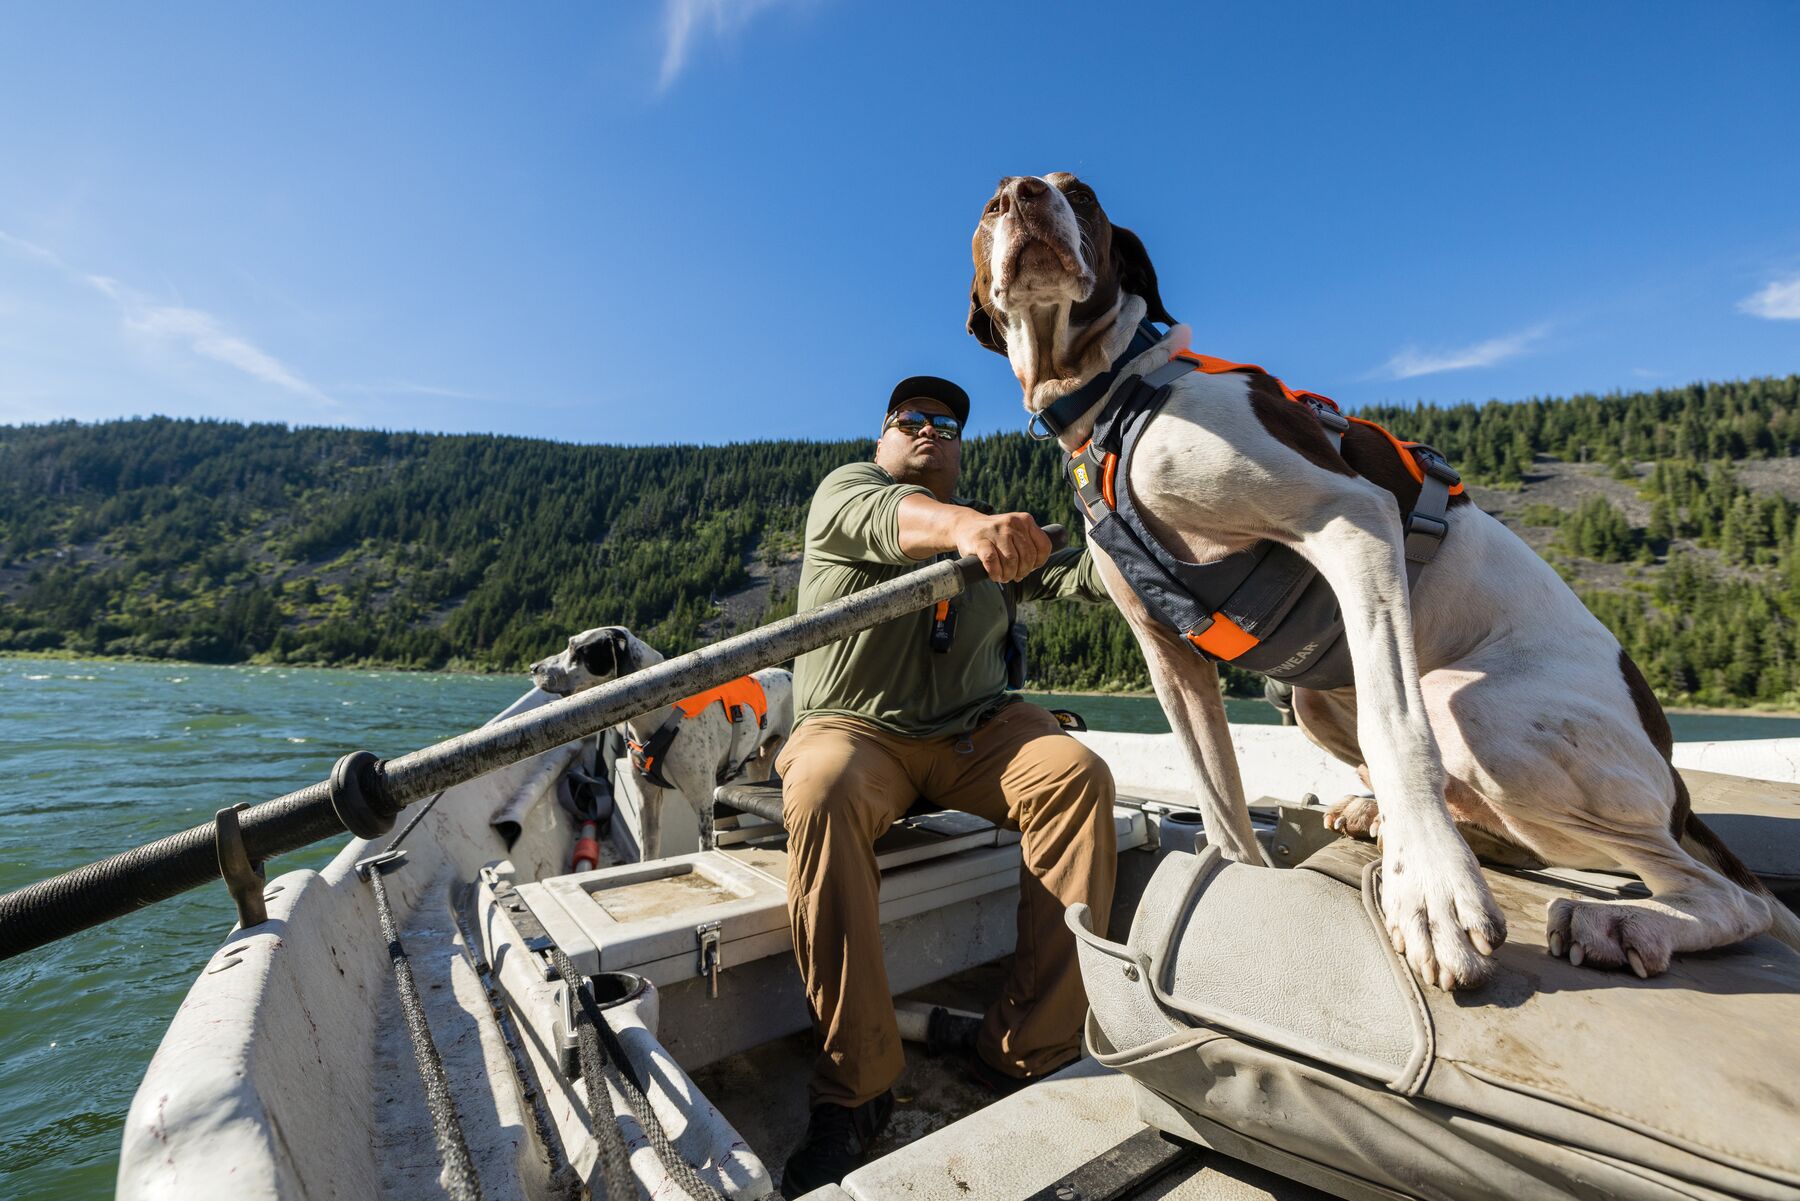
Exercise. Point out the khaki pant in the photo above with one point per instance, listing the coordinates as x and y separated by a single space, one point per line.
844 782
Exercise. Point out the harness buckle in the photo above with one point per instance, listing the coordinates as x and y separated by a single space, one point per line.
1423 536
1031 429
1329 417
1436 465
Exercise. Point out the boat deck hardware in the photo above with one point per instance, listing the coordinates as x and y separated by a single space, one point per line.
243 875
1299 831
706 936
1120 1171
379 862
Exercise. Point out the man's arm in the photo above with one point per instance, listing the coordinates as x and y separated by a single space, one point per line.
1009 545
1069 574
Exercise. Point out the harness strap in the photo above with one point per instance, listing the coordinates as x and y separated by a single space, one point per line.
1067 410
647 757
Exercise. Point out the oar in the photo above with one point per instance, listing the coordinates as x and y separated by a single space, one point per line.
364 793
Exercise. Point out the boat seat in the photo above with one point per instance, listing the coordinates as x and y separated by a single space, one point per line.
763 799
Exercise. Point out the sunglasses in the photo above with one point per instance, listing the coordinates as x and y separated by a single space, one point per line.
912 423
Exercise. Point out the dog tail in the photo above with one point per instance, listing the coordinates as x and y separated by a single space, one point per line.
1698 839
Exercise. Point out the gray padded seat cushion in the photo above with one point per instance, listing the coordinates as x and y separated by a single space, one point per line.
1683 1085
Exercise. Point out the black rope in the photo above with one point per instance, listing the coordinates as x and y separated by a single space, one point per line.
413 821
459 1169
601 1052
563 1181
612 1164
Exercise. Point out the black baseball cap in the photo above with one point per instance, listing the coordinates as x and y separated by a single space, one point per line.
930 387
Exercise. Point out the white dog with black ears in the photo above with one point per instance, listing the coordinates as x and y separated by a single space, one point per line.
694 745
1493 696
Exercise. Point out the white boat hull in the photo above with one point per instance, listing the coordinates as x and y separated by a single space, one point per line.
281 1073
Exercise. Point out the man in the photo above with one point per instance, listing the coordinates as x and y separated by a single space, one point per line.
918 708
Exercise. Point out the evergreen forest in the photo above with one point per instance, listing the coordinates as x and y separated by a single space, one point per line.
223 543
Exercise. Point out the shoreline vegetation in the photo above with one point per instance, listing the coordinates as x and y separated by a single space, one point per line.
1749 710
1671 513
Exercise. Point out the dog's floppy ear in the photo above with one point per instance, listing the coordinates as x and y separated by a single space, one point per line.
599 657
623 659
981 322
1136 274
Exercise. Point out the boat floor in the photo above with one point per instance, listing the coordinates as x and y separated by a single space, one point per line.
762 1091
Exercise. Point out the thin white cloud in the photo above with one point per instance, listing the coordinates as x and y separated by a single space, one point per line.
203 334
686 21
199 332
402 387
1411 361
1779 301
31 250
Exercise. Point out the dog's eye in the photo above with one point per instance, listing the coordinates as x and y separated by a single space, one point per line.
993 206
1081 199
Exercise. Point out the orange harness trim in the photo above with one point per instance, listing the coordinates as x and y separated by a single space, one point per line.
743 692
737 696
1211 366
1225 639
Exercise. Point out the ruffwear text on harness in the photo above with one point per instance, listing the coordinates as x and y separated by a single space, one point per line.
1264 608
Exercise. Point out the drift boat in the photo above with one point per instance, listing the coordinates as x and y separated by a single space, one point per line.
1244 1041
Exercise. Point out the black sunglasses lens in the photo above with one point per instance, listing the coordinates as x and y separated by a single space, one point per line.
912 424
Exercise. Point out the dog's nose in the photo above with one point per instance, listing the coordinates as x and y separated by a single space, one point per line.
1021 192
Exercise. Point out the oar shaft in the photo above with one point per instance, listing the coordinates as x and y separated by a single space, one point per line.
86 896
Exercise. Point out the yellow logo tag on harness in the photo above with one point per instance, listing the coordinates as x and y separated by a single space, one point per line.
1081 475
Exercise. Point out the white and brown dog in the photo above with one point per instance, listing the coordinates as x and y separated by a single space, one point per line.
1493 695
711 749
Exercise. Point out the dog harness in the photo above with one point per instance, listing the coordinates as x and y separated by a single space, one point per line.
740 697
1264 608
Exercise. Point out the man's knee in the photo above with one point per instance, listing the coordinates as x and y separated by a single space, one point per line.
1078 774
827 780
812 799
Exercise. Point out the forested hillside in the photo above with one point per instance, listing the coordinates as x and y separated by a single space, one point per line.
1672 512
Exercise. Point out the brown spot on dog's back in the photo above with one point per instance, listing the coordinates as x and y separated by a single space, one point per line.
1366 451
1292 425
1682 819
1649 709
1373 457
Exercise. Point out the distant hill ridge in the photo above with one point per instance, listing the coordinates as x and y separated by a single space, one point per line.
1672 511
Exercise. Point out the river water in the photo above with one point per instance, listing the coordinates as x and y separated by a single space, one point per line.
99 756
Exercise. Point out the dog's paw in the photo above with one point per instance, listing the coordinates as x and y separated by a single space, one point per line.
1611 934
1439 912
1357 816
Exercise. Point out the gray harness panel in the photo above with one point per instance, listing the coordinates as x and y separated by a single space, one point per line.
1267 590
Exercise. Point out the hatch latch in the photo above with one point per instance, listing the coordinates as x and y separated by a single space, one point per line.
706 938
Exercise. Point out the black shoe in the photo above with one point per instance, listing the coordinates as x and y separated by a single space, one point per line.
837 1141
954 1035
948 1033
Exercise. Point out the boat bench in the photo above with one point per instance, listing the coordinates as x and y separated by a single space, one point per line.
762 799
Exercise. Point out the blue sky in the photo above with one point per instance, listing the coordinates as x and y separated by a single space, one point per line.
708 220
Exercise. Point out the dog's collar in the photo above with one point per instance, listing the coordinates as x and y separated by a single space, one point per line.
1065 411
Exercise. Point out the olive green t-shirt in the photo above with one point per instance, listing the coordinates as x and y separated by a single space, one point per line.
889 675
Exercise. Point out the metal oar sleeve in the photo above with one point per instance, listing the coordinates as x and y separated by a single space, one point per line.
54 908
